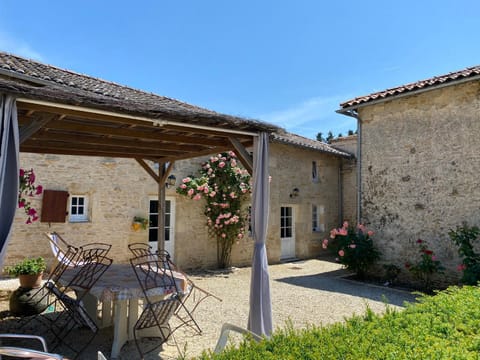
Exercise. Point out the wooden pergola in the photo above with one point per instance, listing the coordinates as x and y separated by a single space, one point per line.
62 112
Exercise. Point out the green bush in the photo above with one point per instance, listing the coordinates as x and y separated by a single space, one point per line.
444 326
354 247
464 236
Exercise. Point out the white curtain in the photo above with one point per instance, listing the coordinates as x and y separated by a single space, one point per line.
9 168
260 316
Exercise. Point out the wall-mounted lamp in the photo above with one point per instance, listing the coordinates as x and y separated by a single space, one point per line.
171 180
295 192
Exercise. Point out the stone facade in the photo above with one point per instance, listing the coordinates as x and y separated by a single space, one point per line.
419 168
119 189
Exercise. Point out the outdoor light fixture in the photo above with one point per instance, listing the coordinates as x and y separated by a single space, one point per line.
295 192
171 180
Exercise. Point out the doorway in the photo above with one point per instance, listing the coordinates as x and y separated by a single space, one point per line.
287 232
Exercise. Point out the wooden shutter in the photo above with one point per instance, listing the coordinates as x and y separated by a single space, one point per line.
54 206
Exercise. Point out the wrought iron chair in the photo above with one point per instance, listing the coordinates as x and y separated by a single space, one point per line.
74 313
25 352
139 249
161 301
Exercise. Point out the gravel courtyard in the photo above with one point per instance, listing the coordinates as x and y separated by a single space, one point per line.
303 292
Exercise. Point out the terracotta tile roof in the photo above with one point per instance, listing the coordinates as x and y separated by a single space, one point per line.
32 79
300 141
450 78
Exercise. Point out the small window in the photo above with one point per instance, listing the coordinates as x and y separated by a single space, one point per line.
314 171
317 212
78 208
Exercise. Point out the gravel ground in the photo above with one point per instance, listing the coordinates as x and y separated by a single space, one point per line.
302 292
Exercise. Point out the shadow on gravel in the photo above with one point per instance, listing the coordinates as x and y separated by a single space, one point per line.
332 282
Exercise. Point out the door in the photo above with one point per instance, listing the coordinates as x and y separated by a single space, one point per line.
169 225
287 232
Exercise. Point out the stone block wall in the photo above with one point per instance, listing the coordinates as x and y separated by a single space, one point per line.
419 167
119 189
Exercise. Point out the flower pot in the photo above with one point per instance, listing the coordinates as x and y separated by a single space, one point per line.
30 281
27 301
136 226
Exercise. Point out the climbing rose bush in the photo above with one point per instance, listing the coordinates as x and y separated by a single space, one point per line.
26 190
353 247
224 186
426 266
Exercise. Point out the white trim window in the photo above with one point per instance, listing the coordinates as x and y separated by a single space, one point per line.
78 208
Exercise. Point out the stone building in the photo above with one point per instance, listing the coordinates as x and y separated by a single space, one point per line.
306 202
419 162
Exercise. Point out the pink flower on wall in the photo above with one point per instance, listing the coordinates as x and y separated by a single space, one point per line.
26 189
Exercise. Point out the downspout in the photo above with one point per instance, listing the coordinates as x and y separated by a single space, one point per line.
340 193
353 113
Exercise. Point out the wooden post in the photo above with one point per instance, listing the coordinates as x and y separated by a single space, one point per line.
161 206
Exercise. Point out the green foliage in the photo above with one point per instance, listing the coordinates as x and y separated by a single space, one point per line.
464 236
426 267
224 186
354 248
391 273
445 326
28 266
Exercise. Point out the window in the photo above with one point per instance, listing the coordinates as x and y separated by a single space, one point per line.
314 171
317 211
153 217
78 208
286 222
314 218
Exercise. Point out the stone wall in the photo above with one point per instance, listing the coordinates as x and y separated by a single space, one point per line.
420 165
120 189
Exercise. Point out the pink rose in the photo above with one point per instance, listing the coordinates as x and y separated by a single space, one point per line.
370 233
186 180
342 232
190 192
345 224
325 243
224 235
352 246
221 164
341 253
183 186
461 267
197 197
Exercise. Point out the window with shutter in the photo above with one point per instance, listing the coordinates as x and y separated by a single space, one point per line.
54 206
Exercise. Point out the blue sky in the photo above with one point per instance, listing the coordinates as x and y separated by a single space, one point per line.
285 62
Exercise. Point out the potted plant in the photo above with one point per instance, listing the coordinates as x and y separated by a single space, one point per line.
140 223
29 272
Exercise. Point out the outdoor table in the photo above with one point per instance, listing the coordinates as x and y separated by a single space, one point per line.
119 285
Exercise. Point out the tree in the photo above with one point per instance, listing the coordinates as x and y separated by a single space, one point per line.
320 137
329 138
224 186
350 132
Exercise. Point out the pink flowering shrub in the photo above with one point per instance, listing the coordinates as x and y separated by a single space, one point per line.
27 189
426 267
353 247
224 186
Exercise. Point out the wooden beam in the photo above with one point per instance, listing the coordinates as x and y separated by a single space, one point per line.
149 170
34 126
134 133
123 143
242 154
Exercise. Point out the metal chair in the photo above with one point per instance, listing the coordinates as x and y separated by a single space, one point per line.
139 249
74 313
161 301
24 352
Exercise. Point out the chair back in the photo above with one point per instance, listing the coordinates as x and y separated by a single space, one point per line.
23 352
139 249
94 250
152 272
89 273
68 259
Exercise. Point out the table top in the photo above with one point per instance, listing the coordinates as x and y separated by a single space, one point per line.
119 282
